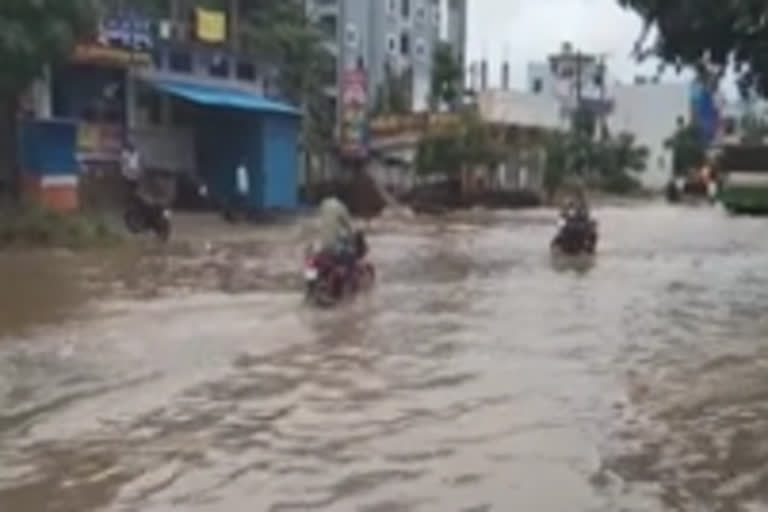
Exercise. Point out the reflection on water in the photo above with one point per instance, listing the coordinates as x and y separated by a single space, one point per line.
475 377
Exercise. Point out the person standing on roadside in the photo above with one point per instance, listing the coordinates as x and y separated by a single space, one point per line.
243 185
130 168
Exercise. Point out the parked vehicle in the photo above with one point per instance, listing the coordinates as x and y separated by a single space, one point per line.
141 216
744 177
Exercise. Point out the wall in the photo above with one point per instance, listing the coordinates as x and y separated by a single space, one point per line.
279 161
171 148
650 112
48 165
520 108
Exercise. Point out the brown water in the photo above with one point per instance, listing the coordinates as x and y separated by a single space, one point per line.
476 376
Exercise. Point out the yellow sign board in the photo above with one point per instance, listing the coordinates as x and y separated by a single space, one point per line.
211 25
98 53
395 125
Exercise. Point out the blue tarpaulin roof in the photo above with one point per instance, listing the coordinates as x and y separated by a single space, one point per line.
223 97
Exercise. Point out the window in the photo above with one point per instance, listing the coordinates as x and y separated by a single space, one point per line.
421 49
392 44
392 6
405 9
246 71
180 61
537 85
329 25
421 11
405 44
219 66
350 36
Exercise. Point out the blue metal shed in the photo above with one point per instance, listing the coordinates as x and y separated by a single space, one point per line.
239 126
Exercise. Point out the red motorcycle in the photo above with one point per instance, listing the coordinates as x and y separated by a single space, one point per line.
329 280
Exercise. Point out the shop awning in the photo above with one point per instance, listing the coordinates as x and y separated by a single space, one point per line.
214 96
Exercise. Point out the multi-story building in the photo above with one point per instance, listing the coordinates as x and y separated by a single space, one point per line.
394 35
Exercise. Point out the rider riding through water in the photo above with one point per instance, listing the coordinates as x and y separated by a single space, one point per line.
337 234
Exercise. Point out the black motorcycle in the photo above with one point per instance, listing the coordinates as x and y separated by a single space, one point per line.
577 235
143 215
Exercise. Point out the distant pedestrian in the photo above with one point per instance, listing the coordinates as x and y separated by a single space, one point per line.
130 167
243 184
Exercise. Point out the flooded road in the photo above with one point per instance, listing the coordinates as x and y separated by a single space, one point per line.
475 377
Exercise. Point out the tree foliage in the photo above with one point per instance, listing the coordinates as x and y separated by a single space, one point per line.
284 36
35 33
611 163
447 76
708 35
449 150
393 94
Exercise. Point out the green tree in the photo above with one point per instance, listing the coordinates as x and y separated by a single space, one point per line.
34 33
447 77
448 151
707 35
285 38
620 160
393 93
611 163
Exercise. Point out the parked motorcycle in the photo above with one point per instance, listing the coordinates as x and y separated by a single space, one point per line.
141 216
327 281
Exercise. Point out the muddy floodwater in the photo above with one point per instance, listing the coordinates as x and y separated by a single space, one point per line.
476 377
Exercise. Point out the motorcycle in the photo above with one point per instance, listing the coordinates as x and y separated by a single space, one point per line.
575 237
141 216
327 281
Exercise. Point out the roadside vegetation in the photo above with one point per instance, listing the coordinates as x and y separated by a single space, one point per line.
25 226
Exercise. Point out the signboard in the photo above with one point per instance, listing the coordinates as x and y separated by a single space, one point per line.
417 124
354 101
211 25
99 141
116 56
122 40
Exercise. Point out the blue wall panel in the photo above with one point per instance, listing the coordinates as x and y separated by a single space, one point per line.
48 148
280 161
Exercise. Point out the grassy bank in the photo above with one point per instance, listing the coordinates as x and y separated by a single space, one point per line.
34 226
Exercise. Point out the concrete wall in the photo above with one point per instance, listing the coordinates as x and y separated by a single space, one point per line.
511 107
650 112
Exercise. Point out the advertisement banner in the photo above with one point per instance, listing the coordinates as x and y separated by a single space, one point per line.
353 133
705 112
211 25
99 141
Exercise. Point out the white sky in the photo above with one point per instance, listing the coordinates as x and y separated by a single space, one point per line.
525 30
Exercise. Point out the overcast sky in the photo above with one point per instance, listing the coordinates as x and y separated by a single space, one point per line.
525 30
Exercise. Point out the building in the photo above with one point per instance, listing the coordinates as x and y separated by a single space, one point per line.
394 35
184 88
650 111
647 109
523 120
572 77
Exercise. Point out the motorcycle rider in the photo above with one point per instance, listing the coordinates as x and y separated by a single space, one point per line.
575 218
338 238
